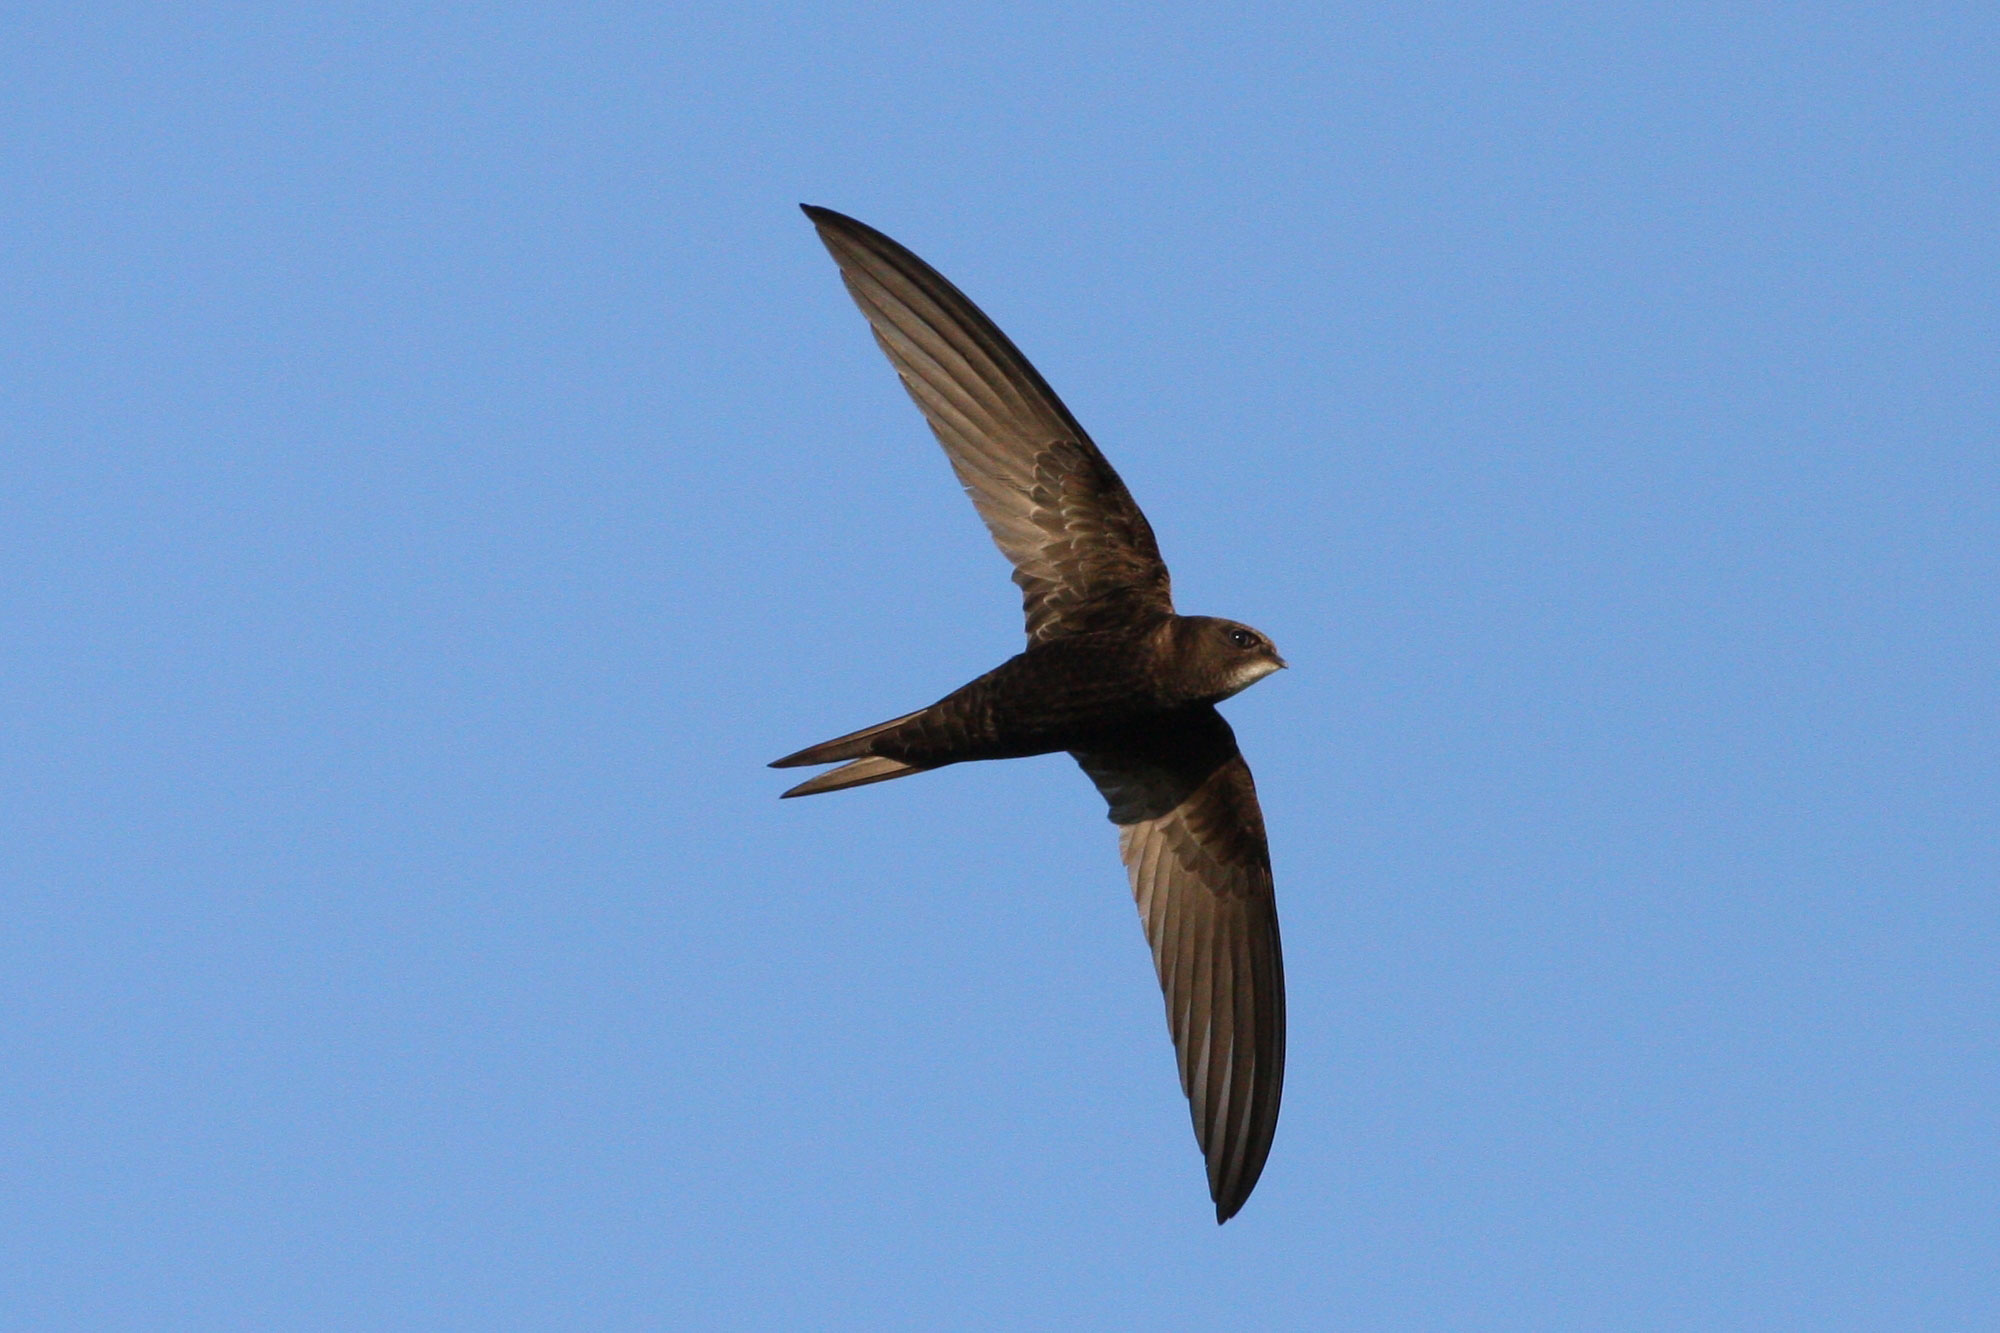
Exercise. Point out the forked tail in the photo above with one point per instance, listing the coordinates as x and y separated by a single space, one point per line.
866 767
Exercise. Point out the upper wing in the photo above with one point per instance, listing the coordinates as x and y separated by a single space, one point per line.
1083 553
1192 836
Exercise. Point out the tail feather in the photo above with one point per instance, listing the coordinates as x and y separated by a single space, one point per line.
853 745
872 768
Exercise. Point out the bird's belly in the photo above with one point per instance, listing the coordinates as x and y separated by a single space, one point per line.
1024 708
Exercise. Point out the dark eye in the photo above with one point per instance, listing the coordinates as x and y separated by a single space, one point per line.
1243 638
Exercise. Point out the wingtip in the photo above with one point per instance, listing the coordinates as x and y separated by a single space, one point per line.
822 217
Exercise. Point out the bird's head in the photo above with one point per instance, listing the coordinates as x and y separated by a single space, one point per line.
1224 657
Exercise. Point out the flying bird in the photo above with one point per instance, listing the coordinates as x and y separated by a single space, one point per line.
1112 674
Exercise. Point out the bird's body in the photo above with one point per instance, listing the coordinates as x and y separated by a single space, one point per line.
1112 674
1083 693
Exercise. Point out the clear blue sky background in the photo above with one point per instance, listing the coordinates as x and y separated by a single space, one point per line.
440 467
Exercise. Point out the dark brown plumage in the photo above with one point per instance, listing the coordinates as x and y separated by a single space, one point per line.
1111 674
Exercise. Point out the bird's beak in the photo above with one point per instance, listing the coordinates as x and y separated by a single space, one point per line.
1282 663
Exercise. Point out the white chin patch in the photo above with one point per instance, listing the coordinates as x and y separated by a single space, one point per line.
1249 674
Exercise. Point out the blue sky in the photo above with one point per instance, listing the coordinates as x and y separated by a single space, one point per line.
439 467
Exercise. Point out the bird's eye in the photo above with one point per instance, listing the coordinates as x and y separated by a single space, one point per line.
1243 638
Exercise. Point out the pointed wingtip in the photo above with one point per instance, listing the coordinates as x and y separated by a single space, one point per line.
831 224
1228 1205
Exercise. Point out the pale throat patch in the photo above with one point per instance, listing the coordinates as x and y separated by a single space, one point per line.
1243 677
